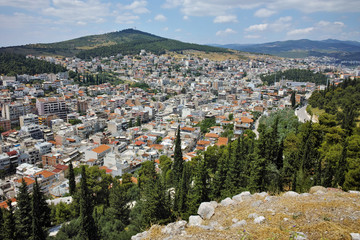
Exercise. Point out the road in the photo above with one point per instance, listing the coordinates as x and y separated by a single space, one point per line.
302 115
256 127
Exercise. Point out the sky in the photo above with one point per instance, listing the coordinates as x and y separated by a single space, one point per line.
196 21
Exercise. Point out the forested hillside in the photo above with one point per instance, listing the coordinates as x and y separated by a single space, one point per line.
296 75
13 64
287 156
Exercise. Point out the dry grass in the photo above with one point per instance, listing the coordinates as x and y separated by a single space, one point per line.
214 56
333 215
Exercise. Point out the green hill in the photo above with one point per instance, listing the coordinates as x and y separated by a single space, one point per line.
128 41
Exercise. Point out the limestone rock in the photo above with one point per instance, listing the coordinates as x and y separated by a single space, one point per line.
139 236
237 198
206 210
206 227
354 192
305 194
315 189
256 203
262 194
195 220
238 224
253 215
298 236
291 194
214 204
259 219
175 228
227 201
355 236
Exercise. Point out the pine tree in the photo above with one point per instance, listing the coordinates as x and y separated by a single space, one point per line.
88 229
341 168
258 173
9 223
71 177
2 223
23 213
293 99
130 123
181 192
178 159
138 122
218 183
40 214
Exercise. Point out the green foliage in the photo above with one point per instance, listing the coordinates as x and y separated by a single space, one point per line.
297 75
178 159
74 121
141 85
206 124
9 225
23 213
14 64
71 177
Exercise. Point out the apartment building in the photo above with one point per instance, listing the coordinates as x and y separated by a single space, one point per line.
52 105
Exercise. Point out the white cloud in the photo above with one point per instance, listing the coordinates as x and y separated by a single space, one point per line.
165 28
225 32
26 4
178 30
301 31
126 18
263 13
252 36
21 21
138 7
160 18
281 24
186 17
225 19
257 27
73 11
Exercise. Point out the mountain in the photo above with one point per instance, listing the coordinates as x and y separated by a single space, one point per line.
343 50
127 41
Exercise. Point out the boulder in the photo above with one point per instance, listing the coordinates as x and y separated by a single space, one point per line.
206 210
269 198
139 236
315 189
305 194
175 228
237 198
243 194
256 203
298 236
259 219
216 225
291 194
355 236
354 192
227 201
195 220
253 215
262 194
214 204
238 224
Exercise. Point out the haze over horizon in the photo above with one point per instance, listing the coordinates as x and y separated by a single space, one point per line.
196 21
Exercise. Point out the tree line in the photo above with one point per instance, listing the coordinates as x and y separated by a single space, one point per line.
15 64
296 75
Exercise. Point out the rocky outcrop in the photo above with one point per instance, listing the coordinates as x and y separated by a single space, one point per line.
322 213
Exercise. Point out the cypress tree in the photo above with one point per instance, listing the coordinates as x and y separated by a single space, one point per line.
130 123
293 99
71 176
341 167
181 192
178 159
9 223
88 229
1 223
23 213
40 214
138 122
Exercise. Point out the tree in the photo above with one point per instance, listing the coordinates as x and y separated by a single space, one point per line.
130 123
71 177
9 228
88 229
23 214
178 159
40 214
293 99
182 189
138 122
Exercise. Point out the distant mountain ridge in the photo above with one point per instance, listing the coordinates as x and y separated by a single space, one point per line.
127 41
344 50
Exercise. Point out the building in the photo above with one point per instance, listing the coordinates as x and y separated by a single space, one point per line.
43 147
82 106
51 159
34 131
5 124
52 105
97 153
13 111
29 119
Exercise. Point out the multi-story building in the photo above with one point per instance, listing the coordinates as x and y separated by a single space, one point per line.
82 106
4 161
34 131
13 111
52 105
43 147
29 119
5 124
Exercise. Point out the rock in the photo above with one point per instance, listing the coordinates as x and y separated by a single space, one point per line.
298 236
206 210
206 227
355 236
235 220
253 215
238 224
243 194
216 225
285 219
195 220
305 194
315 189
256 203
139 236
259 219
290 194
272 211
269 198
262 194
237 198
227 201
354 192
214 204
319 192
175 228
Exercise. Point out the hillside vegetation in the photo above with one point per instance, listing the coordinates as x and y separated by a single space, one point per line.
14 64
127 41
296 75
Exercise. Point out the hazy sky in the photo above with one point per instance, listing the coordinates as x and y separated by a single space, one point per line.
197 21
